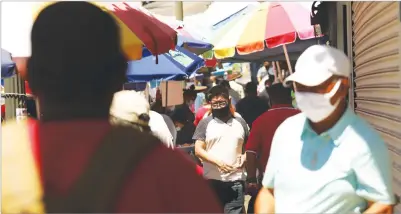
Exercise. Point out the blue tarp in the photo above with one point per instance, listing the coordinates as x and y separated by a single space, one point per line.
194 45
175 65
7 65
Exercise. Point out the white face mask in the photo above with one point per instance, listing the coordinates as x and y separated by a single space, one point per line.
317 107
178 128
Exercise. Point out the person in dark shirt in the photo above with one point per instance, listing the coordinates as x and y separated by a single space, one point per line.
185 128
189 99
185 131
251 106
264 95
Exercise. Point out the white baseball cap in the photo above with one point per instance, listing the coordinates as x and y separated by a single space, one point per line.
129 105
317 64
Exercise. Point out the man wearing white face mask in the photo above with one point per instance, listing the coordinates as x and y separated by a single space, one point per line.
337 162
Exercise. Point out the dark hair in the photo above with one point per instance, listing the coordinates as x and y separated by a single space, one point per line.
76 59
251 88
190 93
218 90
225 83
219 80
279 94
179 115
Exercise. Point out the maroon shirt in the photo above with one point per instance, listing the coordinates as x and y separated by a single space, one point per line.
164 182
263 129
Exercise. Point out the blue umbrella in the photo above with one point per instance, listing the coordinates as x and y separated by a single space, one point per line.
193 45
175 65
7 64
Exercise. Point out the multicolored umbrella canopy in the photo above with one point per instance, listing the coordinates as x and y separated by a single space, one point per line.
269 25
138 27
294 50
187 37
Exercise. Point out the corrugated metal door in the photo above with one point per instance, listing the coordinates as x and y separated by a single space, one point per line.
377 76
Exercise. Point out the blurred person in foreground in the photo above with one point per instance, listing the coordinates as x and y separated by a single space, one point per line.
260 138
326 159
86 53
251 106
131 107
219 144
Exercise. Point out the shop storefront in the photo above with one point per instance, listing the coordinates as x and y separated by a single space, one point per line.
370 33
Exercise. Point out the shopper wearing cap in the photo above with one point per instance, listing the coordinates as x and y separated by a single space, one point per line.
131 108
326 159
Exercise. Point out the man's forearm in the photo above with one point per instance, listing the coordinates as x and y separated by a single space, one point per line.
202 154
377 208
265 201
250 164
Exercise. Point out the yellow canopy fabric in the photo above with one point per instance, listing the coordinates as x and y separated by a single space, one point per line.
130 43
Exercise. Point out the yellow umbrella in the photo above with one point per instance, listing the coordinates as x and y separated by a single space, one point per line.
150 32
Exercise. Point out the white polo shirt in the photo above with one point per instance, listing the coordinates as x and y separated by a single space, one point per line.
224 141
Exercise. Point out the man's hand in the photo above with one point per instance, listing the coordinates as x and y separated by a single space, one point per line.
252 188
241 161
225 168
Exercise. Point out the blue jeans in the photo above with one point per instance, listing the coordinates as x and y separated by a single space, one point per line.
231 195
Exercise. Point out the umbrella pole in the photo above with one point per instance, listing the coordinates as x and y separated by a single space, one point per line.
287 58
165 109
280 75
275 72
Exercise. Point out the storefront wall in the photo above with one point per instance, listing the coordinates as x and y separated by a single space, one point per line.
373 43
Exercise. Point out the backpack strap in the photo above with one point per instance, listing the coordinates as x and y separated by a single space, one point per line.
97 189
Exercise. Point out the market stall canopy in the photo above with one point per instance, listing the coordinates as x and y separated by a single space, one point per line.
214 17
7 65
174 65
269 25
187 37
138 27
277 54
167 8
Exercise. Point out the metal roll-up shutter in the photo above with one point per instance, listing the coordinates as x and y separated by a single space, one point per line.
377 77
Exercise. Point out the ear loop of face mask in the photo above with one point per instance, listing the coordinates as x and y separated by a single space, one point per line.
333 91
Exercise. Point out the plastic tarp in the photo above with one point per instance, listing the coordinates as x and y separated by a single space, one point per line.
7 65
177 64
